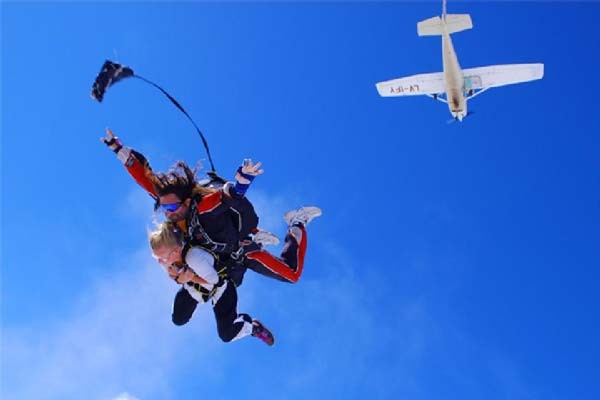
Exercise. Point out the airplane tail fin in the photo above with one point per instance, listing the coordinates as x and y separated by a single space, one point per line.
453 23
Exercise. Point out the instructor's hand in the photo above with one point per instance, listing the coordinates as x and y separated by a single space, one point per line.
248 168
111 141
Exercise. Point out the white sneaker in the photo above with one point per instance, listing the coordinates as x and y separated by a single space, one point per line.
302 215
265 238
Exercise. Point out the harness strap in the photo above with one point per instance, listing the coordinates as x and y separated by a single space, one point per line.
206 294
220 267
197 233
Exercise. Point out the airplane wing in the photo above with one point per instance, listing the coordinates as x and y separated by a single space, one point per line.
422 84
500 75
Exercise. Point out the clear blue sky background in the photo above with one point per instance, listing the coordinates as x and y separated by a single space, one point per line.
452 261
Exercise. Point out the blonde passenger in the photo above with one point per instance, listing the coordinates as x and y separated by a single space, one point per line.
194 269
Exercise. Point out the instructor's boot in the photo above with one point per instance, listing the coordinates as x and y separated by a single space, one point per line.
302 215
265 238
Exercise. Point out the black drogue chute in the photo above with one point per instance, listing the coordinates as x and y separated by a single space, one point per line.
110 74
113 72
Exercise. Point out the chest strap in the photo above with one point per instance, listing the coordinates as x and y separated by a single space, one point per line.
198 234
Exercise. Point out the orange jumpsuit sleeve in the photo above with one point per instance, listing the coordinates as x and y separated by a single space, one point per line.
138 167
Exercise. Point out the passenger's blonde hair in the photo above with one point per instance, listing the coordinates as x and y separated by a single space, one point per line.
166 234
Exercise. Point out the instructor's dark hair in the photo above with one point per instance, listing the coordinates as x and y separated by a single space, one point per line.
179 180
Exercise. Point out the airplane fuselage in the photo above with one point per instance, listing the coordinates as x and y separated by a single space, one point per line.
454 85
453 78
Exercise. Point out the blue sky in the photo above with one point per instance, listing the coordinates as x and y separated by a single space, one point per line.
452 261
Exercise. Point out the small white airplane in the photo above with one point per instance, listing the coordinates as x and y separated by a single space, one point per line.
455 86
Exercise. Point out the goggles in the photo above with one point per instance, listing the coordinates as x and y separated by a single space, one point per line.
166 258
172 207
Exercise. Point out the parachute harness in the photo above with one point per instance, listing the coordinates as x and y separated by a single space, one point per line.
197 233
222 273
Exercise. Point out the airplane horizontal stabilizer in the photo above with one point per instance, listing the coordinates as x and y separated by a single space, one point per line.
453 22
422 84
